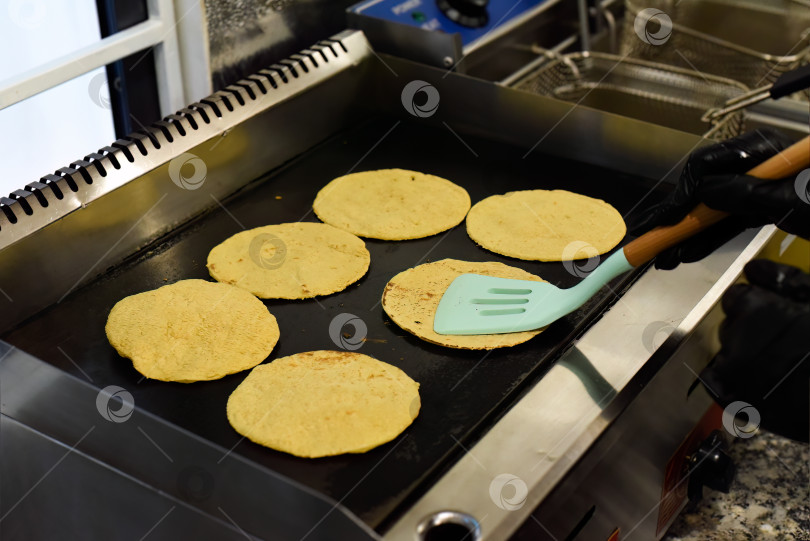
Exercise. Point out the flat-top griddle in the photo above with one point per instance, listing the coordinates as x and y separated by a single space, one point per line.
462 392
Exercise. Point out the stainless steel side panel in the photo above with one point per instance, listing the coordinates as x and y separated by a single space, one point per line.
622 475
123 509
107 452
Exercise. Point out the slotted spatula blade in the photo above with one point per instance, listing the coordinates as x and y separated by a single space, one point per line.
476 304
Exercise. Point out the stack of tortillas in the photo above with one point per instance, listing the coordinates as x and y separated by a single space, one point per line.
392 204
545 225
192 330
324 403
290 261
411 297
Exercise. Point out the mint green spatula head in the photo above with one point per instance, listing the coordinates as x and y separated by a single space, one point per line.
475 304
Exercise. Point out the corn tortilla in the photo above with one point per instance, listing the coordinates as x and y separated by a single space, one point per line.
392 204
545 225
290 261
411 297
324 403
192 330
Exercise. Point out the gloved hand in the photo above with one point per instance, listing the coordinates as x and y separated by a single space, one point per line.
715 175
764 359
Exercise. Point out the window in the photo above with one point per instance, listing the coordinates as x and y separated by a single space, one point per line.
74 76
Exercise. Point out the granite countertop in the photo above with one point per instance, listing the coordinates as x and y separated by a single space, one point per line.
769 498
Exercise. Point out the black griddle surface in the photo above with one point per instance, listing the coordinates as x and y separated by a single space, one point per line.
462 392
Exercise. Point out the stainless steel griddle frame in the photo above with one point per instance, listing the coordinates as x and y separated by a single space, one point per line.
611 392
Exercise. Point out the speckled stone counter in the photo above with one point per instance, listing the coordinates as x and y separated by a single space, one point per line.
769 498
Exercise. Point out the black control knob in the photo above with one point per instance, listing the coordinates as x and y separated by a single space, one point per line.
471 13
710 466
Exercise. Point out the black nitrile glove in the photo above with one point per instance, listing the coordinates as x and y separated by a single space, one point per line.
715 175
764 358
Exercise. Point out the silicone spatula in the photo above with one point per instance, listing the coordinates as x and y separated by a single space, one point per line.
475 304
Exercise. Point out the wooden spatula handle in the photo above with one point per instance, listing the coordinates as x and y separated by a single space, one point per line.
788 162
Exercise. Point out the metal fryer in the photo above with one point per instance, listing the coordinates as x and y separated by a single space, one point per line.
757 42
656 93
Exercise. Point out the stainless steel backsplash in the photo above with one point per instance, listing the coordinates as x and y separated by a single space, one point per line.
247 35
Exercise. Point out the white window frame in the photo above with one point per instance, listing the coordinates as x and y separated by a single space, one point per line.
175 29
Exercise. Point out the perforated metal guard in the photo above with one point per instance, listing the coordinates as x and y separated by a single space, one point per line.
647 91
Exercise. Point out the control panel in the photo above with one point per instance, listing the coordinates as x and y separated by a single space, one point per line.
472 20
